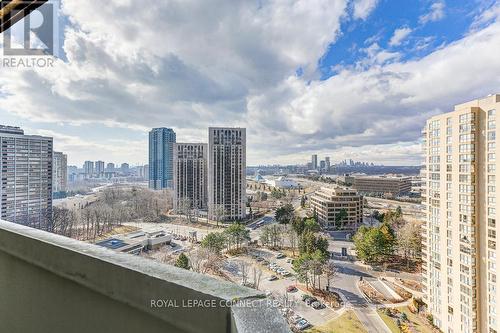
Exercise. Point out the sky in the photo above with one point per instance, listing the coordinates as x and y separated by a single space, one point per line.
341 78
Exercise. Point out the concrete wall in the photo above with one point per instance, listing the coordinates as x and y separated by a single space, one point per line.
50 283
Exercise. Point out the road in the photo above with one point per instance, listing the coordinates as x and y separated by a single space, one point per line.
346 284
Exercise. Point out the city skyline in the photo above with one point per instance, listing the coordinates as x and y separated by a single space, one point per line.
357 82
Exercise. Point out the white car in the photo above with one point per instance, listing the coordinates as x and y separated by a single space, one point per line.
280 269
295 319
285 273
302 325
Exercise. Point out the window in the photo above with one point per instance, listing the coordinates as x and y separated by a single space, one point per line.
491 135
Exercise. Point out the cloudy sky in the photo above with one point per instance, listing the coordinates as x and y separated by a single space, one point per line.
344 78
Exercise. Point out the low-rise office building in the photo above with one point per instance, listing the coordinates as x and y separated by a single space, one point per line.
392 186
136 242
327 203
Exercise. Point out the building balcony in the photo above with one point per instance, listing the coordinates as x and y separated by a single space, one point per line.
51 283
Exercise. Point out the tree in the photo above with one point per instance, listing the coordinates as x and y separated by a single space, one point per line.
218 213
374 244
399 212
236 234
302 201
182 261
244 272
214 242
292 239
298 225
285 214
409 240
330 271
340 218
257 275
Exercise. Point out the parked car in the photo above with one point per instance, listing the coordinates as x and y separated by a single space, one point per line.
302 325
289 260
259 259
295 319
272 278
285 273
317 305
280 256
265 262
311 300
305 297
273 264
291 289
280 269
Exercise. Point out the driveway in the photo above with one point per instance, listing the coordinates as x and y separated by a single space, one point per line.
346 284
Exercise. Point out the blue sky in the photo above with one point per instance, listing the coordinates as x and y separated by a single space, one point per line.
341 78
387 17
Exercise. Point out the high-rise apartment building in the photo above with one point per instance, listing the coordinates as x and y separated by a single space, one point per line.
60 172
110 167
88 168
314 162
161 158
190 176
226 173
327 163
99 168
125 168
26 178
460 271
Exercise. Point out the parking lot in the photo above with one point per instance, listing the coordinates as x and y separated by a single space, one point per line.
278 288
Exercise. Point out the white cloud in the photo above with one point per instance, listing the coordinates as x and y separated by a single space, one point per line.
363 8
435 13
191 66
399 36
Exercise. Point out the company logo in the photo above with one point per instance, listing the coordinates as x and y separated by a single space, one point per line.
37 33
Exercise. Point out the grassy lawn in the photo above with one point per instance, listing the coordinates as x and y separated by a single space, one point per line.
388 321
418 323
346 323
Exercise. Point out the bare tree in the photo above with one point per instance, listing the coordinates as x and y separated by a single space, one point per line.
244 272
257 275
330 271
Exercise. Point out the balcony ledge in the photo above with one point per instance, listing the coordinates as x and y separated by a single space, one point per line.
51 283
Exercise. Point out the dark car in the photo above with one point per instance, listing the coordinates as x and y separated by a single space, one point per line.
305 297
311 300
291 289
317 305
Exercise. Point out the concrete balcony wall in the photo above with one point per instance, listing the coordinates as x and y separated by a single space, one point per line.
50 283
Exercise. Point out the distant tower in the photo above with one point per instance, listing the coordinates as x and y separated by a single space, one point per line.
227 173
60 172
99 168
190 176
327 162
161 158
314 162
88 168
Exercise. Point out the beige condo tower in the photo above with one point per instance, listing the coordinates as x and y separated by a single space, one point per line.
459 236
